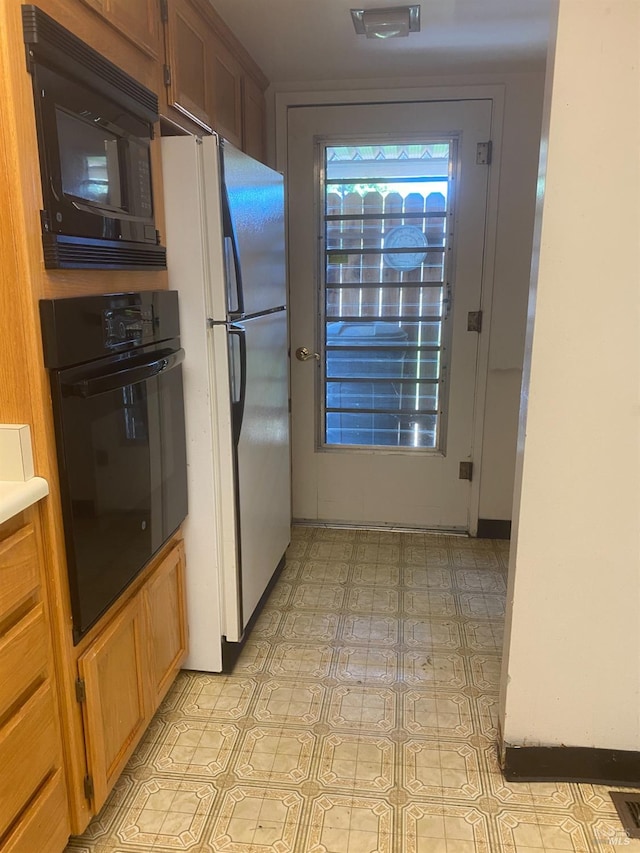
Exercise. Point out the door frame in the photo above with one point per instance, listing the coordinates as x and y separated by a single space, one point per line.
283 101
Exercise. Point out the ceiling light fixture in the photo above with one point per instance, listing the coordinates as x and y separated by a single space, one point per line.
386 23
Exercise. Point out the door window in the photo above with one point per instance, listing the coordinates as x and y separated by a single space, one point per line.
386 292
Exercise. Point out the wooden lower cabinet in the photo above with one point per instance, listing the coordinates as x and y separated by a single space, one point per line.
166 623
112 673
41 828
128 668
34 813
29 746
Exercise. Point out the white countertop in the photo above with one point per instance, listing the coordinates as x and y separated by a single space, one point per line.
18 495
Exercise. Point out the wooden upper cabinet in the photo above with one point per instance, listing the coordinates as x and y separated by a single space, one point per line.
188 67
138 21
210 78
227 87
253 119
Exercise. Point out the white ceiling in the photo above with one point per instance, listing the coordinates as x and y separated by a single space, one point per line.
314 40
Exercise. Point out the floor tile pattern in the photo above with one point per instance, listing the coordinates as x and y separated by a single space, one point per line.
360 718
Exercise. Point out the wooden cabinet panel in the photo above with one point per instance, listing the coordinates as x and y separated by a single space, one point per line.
188 40
44 826
115 710
227 89
129 667
166 623
29 750
138 21
19 573
253 119
23 658
33 793
213 80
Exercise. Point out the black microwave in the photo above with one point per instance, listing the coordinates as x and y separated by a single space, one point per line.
95 126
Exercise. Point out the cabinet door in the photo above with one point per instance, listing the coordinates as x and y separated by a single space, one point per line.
189 39
116 709
253 119
227 89
138 21
166 623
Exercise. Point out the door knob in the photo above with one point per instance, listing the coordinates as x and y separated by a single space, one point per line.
304 354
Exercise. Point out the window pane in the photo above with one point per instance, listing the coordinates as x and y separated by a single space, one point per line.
418 431
382 363
387 220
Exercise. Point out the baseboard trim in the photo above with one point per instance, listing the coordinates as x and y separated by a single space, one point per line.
493 528
572 764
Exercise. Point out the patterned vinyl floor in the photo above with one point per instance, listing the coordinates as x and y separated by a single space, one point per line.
360 717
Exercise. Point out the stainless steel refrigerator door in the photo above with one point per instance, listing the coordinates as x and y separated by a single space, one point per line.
261 427
254 232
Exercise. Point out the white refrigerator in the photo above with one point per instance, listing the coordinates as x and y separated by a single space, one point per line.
226 258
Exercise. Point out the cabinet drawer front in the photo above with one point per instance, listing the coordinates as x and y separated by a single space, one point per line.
28 753
23 657
44 826
18 569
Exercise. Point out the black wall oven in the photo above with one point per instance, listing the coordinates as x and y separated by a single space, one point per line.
116 380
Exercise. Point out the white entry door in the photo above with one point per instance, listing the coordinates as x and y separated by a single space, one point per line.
387 207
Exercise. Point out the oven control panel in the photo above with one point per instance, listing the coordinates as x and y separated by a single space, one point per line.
82 328
127 325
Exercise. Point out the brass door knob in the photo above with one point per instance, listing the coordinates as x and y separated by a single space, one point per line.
304 354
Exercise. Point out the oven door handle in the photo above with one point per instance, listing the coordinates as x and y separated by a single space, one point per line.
122 378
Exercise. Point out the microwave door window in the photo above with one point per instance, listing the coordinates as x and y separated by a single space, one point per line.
89 161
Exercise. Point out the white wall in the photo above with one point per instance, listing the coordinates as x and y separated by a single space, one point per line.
517 160
573 645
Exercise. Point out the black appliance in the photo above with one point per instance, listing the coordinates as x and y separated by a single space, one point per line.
95 125
116 380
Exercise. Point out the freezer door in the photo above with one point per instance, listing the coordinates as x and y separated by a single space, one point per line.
262 454
253 205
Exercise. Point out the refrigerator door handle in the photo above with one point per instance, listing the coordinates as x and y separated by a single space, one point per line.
235 297
238 378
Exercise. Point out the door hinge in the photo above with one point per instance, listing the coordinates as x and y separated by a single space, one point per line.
466 471
483 153
289 405
164 11
88 787
166 71
81 690
474 321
